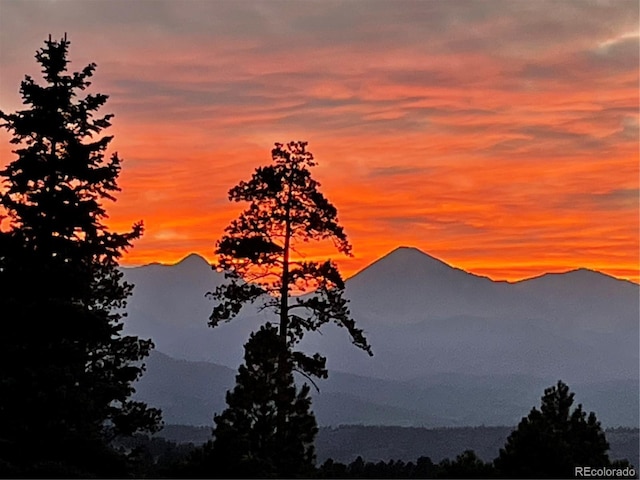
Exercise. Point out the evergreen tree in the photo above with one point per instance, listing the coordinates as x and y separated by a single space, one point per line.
66 372
465 465
550 442
247 442
286 209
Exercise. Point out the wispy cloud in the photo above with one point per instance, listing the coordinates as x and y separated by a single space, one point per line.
501 136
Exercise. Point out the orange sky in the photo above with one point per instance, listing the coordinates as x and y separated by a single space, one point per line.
500 137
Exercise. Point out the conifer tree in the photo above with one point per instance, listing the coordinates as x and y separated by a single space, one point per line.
286 209
247 441
550 442
66 371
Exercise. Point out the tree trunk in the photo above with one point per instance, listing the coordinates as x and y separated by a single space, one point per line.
283 361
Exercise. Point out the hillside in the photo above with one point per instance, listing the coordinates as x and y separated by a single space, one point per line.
191 392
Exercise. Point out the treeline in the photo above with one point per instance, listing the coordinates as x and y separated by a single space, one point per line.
373 443
548 443
161 458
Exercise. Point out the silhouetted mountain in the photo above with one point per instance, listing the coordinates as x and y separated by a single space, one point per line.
189 393
419 287
423 316
414 283
169 306
427 320
586 299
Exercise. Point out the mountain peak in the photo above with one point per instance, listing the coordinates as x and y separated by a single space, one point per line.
584 277
193 260
405 261
407 248
408 255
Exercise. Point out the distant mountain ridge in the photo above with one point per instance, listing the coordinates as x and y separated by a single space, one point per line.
411 252
423 318
190 393
412 258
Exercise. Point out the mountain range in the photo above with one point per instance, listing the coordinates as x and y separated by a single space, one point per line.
450 348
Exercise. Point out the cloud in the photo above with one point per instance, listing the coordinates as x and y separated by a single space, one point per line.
506 130
616 199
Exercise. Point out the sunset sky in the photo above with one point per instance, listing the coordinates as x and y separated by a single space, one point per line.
498 136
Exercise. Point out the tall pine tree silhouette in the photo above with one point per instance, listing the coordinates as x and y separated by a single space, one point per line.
257 253
66 371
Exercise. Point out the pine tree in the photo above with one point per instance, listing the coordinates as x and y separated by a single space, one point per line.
465 465
66 371
286 209
550 442
247 441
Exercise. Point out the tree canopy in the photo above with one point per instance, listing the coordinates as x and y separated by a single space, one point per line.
66 371
247 440
550 442
286 209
